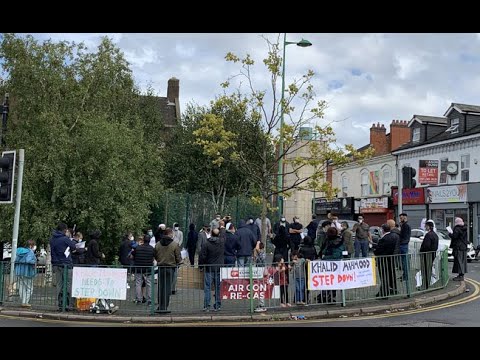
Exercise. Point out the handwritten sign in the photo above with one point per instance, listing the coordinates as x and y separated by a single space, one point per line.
337 275
103 283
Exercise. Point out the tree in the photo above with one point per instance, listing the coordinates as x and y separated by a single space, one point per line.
89 155
206 146
266 108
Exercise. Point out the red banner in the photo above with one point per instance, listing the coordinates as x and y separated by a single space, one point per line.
428 172
237 289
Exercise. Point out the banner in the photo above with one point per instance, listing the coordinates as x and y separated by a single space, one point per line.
103 283
344 274
235 283
374 179
428 172
446 194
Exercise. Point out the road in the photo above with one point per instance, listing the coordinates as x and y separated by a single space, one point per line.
460 311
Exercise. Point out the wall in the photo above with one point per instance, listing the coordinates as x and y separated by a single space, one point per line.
353 174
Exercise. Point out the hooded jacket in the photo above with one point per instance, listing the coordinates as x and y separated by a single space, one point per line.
212 253
59 243
167 252
25 262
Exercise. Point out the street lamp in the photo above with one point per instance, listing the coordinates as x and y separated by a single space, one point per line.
301 43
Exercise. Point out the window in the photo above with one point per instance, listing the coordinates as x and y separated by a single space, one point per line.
464 166
416 135
344 186
454 124
365 189
386 179
443 170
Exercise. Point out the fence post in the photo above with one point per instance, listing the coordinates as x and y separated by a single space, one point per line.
187 211
152 291
251 287
1 282
236 213
408 279
444 267
64 287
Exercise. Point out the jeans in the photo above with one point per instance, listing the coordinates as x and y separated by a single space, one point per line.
405 265
361 244
209 276
243 260
59 272
25 288
300 289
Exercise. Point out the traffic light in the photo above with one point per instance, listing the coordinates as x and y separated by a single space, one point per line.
408 177
7 176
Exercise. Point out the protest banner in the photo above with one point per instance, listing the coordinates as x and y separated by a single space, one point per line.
103 283
338 275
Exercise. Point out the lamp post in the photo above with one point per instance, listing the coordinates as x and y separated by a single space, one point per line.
302 43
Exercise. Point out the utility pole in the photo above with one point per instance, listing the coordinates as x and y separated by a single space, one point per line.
16 220
4 119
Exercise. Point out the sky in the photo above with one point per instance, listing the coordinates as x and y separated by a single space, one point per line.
365 78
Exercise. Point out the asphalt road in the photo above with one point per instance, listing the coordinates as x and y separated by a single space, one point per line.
460 311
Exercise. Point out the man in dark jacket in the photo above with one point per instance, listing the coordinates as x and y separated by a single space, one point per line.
232 245
428 252
281 239
405 233
167 254
459 245
192 238
247 242
212 258
312 227
61 247
250 224
94 255
143 257
386 247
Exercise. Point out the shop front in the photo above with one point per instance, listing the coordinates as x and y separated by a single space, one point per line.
445 203
375 211
413 204
343 207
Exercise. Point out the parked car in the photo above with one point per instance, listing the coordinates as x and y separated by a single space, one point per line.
443 243
376 232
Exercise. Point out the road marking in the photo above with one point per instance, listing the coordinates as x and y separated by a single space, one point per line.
472 297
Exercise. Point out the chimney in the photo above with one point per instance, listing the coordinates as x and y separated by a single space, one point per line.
378 139
173 90
399 133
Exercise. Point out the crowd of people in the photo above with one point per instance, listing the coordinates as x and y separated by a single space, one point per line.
220 243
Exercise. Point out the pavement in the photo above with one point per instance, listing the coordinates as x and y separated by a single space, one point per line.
452 289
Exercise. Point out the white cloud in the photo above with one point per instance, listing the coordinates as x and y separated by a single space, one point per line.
383 76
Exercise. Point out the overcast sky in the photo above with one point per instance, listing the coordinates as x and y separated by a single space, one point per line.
365 78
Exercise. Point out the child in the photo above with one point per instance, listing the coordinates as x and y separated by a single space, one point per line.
259 256
281 278
299 273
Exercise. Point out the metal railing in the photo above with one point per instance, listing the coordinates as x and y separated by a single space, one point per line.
181 290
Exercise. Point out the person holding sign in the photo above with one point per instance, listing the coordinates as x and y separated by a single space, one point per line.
459 245
428 252
333 250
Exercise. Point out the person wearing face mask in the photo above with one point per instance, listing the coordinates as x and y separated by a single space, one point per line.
232 245
25 270
362 237
152 238
253 228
